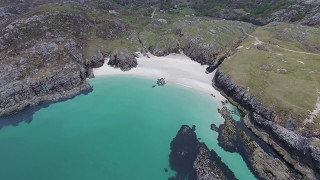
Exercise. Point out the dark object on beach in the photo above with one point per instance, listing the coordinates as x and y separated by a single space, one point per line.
224 102
165 170
213 95
161 82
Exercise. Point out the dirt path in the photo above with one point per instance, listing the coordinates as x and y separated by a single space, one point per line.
314 113
258 41
154 11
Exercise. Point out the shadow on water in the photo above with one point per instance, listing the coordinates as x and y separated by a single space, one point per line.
26 115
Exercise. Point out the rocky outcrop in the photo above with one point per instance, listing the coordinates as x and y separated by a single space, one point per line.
206 168
302 152
265 165
39 64
123 59
227 131
304 12
161 82
97 60
157 24
9 10
193 160
165 46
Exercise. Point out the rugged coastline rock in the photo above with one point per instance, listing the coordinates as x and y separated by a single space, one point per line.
192 159
213 127
302 152
39 64
227 131
123 59
264 165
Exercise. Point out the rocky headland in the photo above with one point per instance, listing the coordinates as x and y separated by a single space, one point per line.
301 152
264 165
46 63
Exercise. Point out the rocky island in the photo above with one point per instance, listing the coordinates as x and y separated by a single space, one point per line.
48 50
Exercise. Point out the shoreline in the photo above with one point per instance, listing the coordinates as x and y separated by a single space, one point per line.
175 68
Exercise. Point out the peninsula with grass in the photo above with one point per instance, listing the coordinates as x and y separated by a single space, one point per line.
262 56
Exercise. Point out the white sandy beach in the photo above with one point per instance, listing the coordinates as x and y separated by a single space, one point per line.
175 68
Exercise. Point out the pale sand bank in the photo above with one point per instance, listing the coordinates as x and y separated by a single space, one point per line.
175 68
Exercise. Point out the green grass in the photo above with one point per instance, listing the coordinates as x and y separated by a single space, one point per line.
295 37
292 93
255 10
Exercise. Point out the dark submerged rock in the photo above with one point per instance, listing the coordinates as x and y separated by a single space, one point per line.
193 160
165 170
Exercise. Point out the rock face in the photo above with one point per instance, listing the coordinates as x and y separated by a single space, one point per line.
192 159
123 60
46 63
264 165
302 152
304 12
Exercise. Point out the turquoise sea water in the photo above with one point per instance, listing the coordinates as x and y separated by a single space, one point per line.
120 131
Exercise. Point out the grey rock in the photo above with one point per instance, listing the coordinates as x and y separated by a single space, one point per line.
46 69
97 60
123 59
157 23
161 82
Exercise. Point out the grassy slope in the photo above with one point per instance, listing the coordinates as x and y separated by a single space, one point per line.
255 10
225 36
292 93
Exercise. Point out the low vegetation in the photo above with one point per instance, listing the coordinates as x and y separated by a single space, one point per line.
286 81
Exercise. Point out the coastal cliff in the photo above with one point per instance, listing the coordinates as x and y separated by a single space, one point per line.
263 162
42 63
302 152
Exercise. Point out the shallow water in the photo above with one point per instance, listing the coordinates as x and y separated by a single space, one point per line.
122 130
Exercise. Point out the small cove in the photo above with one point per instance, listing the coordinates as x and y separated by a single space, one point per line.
121 130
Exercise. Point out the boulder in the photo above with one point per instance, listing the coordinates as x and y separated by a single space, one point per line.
123 59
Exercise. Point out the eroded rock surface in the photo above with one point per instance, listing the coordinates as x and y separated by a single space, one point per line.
264 165
123 60
38 64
